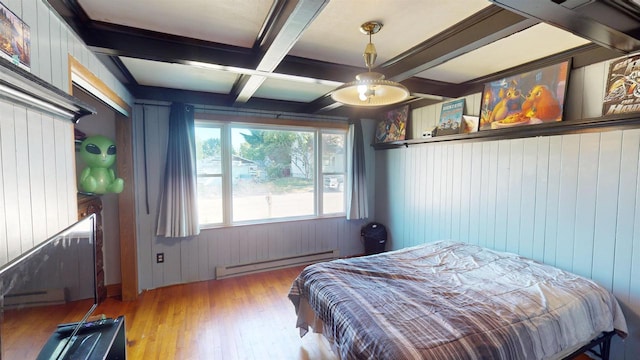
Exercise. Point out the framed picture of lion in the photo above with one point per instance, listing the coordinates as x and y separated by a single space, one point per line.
530 98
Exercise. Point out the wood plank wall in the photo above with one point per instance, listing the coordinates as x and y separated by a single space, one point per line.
38 185
195 259
572 201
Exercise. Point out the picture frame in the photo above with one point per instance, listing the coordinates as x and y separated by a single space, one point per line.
622 91
525 99
15 39
394 125
451 121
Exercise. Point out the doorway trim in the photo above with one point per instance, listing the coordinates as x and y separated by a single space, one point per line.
83 78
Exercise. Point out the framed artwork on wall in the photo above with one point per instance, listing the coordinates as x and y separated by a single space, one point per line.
451 121
529 98
394 125
15 39
622 89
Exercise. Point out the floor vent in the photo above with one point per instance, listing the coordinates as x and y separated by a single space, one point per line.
235 270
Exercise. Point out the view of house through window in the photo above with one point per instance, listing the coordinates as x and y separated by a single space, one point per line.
269 172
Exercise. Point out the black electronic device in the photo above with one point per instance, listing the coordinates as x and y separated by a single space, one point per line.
53 283
89 326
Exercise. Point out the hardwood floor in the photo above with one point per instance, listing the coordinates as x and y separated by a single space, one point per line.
248 317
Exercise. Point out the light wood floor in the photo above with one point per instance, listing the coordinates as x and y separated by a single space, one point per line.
248 317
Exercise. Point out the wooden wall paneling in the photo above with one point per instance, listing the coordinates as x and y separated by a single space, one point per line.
553 191
44 45
205 270
594 80
633 303
66 48
36 175
14 6
382 201
541 191
421 197
143 228
475 186
395 206
62 179
56 46
24 207
586 204
30 17
443 194
574 98
514 194
465 191
11 247
188 259
456 214
492 189
429 191
502 195
416 123
410 194
439 188
528 196
413 212
447 192
606 209
567 201
401 193
483 205
625 224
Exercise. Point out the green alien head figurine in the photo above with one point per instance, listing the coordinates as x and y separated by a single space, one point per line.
99 153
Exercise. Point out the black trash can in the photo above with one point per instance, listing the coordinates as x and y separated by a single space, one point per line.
375 238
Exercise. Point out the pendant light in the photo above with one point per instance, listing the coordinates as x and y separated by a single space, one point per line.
370 88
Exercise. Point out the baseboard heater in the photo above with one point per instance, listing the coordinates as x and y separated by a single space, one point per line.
243 269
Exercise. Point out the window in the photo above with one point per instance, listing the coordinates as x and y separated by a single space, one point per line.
209 174
268 172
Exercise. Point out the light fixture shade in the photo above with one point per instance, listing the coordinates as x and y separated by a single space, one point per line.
370 90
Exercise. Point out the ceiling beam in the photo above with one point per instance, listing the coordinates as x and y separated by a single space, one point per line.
283 31
601 29
489 25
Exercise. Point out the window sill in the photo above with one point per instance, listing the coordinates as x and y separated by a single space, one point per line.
272 221
599 124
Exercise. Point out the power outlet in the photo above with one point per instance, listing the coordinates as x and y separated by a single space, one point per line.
160 258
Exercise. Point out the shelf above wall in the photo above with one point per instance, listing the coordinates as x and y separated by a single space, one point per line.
20 86
605 123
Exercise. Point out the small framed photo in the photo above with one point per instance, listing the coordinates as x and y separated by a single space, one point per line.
622 93
394 125
451 121
15 39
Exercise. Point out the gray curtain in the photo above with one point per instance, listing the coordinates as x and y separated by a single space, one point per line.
178 215
357 207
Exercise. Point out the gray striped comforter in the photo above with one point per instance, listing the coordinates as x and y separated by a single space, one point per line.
448 300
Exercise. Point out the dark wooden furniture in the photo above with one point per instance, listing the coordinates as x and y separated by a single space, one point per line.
87 205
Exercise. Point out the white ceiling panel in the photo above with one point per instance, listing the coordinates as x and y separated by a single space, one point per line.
177 76
288 90
234 22
335 35
537 42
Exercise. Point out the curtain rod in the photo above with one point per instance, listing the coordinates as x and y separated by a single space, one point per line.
251 112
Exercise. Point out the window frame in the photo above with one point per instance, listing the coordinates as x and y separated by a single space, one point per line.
226 123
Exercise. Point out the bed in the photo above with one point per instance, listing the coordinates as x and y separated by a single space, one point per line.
450 300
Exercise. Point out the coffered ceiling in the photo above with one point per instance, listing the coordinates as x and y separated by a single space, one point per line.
290 54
